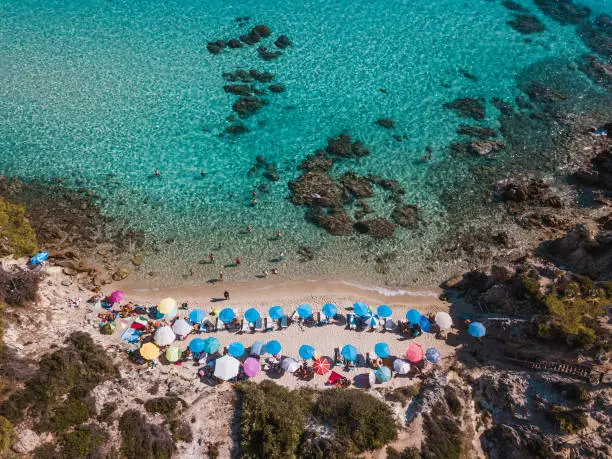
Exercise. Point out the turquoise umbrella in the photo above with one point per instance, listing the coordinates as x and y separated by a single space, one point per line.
383 374
197 345
211 345
273 347
304 311
197 316
257 347
329 310
306 351
382 350
276 312
252 315
235 349
360 308
227 315
384 311
413 316
349 353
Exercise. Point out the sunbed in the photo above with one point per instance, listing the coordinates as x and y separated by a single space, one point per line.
245 327
389 325
258 325
350 320
270 324
337 356
218 324
284 322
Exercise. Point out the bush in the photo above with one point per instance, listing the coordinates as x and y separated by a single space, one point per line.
165 406
82 442
443 437
408 453
315 446
271 419
357 416
108 409
568 421
141 440
181 431
573 392
7 434
18 289
45 451
403 394
16 235
453 402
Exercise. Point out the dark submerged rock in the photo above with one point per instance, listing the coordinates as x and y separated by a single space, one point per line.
262 77
316 189
267 55
358 186
234 43
598 71
513 6
276 88
486 147
282 42
526 24
247 106
480 132
467 107
406 215
504 107
318 161
539 93
237 129
239 89
215 47
563 11
262 30
337 222
387 123
597 35
238 75
379 228
343 146
468 75
251 38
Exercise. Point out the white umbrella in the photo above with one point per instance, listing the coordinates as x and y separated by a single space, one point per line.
443 319
289 364
401 367
226 367
370 319
372 378
181 327
164 336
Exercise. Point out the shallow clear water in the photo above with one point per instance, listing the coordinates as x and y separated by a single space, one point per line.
104 92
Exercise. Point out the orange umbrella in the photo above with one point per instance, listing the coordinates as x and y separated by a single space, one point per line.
321 366
414 353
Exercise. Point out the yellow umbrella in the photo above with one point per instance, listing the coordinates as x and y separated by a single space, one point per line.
173 353
167 305
149 351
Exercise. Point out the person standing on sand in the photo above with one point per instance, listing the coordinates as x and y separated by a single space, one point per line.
226 295
238 261
282 256
211 257
277 235
221 275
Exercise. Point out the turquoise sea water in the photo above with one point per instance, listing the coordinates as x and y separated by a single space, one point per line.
101 93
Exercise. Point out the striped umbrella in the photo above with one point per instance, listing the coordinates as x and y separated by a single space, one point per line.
321 366
370 319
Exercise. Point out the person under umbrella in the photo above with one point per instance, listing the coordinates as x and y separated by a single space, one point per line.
258 348
413 316
181 328
383 374
384 311
304 311
227 315
252 315
401 367
273 347
370 319
167 305
289 365
382 350
321 366
444 320
226 367
349 353
196 345
251 367
116 296
164 336
211 345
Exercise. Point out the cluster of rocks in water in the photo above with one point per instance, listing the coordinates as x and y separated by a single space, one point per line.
267 169
329 198
254 36
523 22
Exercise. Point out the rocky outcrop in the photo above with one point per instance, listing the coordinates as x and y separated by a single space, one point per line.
540 93
513 6
276 88
262 77
597 34
318 161
564 11
316 189
387 123
480 132
337 223
282 42
406 215
486 147
526 24
215 47
600 176
239 89
379 228
236 129
468 107
268 55
234 43
248 106
344 147
358 186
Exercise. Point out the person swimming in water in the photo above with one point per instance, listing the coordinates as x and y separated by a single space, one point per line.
156 173
202 173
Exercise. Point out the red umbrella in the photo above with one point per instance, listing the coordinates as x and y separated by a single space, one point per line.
116 296
414 353
321 366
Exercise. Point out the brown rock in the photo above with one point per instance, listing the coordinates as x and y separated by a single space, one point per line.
406 215
316 189
136 260
120 274
379 228
358 186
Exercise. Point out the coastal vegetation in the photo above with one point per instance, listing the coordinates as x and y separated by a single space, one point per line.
17 237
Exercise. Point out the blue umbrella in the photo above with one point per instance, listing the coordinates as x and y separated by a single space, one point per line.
413 316
383 374
306 351
273 347
349 353
370 319
235 349
252 315
382 350
257 347
276 312
196 345
304 311
477 330
211 345
227 315
432 354
384 311
197 316
329 310
360 308
39 258
425 324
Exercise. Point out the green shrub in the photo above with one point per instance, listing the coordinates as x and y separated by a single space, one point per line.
358 416
569 421
165 406
408 453
15 230
403 394
7 434
45 451
82 442
70 413
573 392
108 409
181 431
272 419
443 437
141 440
453 402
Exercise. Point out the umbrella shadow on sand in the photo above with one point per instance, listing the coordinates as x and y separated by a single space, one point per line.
361 381
274 374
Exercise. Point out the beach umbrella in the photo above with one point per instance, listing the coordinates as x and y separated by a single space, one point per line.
414 353
173 353
258 348
383 374
425 324
329 310
290 365
273 347
164 336
477 330
226 367
227 315
171 314
306 351
167 305
349 353
304 311
197 316
235 349
384 311
196 345
39 258
211 345
443 319
276 312
432 354
382 350
149 351
321 366
251 367
116 296
370 319
413 316
181 327
360 308
252 315
371 378
401 366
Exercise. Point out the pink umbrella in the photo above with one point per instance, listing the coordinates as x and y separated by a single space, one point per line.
414 353
116 296
251 367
